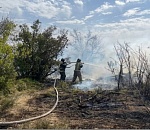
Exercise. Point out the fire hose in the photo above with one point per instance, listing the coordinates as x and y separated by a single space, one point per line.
34 118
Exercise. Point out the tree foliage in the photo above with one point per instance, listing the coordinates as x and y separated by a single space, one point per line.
6 53
37 51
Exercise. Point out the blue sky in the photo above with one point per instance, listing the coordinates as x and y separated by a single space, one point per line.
116 20
96 15
77 13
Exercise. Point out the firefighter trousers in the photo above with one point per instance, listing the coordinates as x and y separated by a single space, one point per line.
62 75
77 74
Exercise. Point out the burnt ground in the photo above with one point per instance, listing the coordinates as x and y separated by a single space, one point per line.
78 109
106 109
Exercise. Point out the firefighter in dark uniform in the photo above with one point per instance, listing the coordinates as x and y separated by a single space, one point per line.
62 68
77 72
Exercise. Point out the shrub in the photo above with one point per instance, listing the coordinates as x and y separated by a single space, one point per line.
6 104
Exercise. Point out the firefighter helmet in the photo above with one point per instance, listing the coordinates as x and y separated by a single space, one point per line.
78 60
62 60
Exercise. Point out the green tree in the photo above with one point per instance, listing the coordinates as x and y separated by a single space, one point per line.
6 54
37 51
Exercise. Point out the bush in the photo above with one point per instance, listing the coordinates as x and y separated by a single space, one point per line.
7 71
21 85
25 84
6 104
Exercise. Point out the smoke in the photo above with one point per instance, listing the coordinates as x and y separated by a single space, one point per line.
91 70
94 75
94 56
104 84
88 47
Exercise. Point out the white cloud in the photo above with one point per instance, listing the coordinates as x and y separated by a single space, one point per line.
127 1
42 8
12 6
134 31
48 9
17 11
7 4
136 11
88 17
65 11
134 23
118 2
78 2
102 8
144 12
106 13
123 2
75 21
131 12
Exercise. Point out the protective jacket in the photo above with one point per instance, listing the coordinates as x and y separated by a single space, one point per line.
62 67
77 72
78 66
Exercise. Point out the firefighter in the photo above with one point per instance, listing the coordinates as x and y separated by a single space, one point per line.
77 72
62 68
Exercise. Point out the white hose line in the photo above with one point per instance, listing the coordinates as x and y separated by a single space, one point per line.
34 118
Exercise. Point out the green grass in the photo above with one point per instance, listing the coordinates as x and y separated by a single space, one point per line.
6 103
